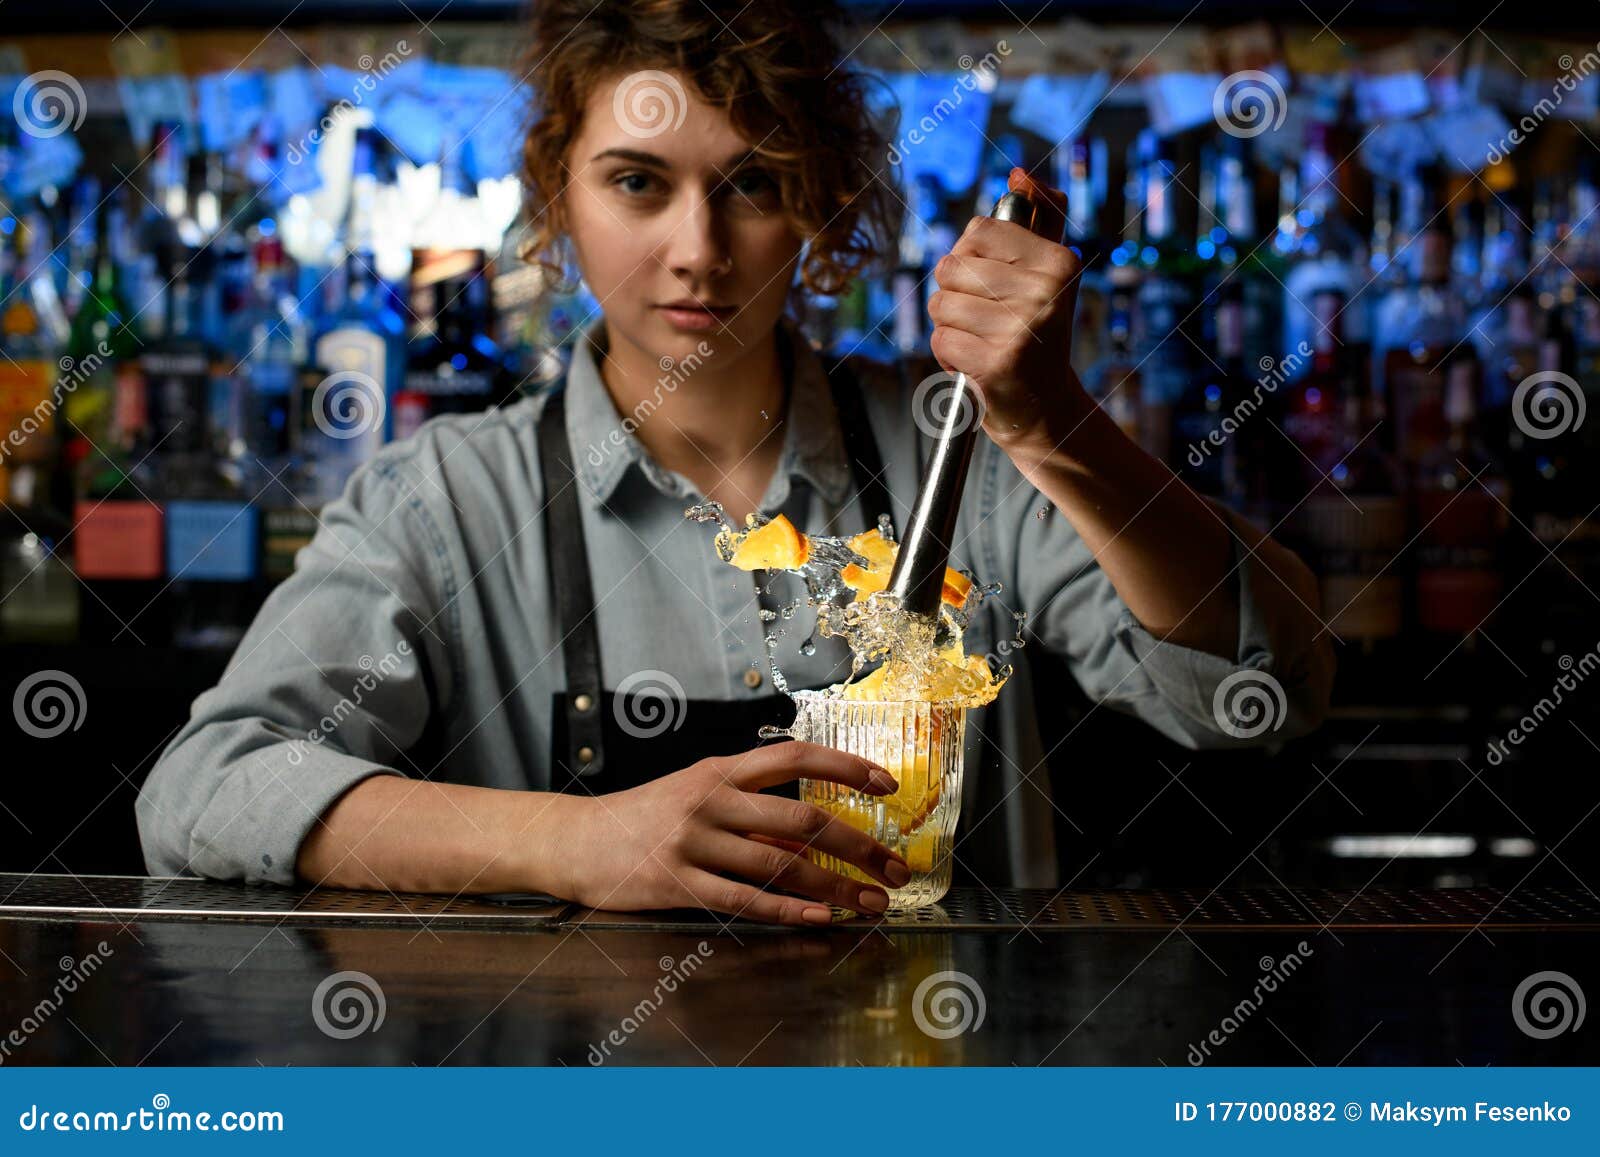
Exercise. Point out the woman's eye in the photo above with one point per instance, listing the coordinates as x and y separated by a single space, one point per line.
635 184
753 185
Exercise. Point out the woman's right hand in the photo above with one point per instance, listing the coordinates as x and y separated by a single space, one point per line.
662 844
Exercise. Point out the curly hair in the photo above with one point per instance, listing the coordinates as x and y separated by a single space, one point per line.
773 67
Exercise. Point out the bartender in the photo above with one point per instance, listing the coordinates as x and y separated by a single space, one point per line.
507 663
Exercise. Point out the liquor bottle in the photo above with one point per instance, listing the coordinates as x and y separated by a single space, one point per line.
1353 525
102 346
1328 253
360 349
266 345
38 594
1316 415
1426 327
1200 445
1461 513
458 368
1113 381
1166 333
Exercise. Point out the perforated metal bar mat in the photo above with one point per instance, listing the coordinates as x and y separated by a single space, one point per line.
183 898
1311 908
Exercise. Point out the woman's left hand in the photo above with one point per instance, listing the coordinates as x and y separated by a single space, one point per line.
1003 316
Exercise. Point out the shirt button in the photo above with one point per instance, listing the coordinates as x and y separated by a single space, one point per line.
752 678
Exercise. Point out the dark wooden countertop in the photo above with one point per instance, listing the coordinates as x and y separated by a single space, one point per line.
1080 978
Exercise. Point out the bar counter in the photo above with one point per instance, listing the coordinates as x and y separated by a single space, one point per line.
195 972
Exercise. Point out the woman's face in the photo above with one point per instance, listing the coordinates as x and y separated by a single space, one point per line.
666 205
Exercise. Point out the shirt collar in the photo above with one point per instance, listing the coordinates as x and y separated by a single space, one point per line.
605 446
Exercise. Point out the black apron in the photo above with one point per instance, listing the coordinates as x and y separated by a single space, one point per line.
590 751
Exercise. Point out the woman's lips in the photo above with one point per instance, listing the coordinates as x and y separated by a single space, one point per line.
696 318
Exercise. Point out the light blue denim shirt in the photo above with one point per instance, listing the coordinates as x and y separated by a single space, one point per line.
418 636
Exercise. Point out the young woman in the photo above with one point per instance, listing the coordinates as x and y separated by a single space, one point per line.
507 663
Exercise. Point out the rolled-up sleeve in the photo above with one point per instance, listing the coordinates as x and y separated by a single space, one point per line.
1274 687
334 681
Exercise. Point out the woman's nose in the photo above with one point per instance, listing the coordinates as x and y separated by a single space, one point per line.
697 248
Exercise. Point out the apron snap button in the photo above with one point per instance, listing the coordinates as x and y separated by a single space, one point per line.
586 754
752 678
583 702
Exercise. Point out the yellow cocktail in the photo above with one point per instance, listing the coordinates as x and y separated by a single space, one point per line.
922 745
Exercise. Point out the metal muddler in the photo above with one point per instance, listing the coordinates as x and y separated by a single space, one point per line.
918 577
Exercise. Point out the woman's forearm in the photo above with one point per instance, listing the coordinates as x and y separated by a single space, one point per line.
408 835
1166 551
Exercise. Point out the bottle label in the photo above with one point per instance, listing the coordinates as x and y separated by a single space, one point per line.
25 409
449 382
117 540
212 541
284 532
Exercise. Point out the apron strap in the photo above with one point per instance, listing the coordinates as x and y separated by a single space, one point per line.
569 555
574 592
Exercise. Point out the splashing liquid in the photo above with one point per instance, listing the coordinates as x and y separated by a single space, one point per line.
918 660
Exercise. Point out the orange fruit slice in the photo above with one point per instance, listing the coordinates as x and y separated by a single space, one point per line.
880 554
774 546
